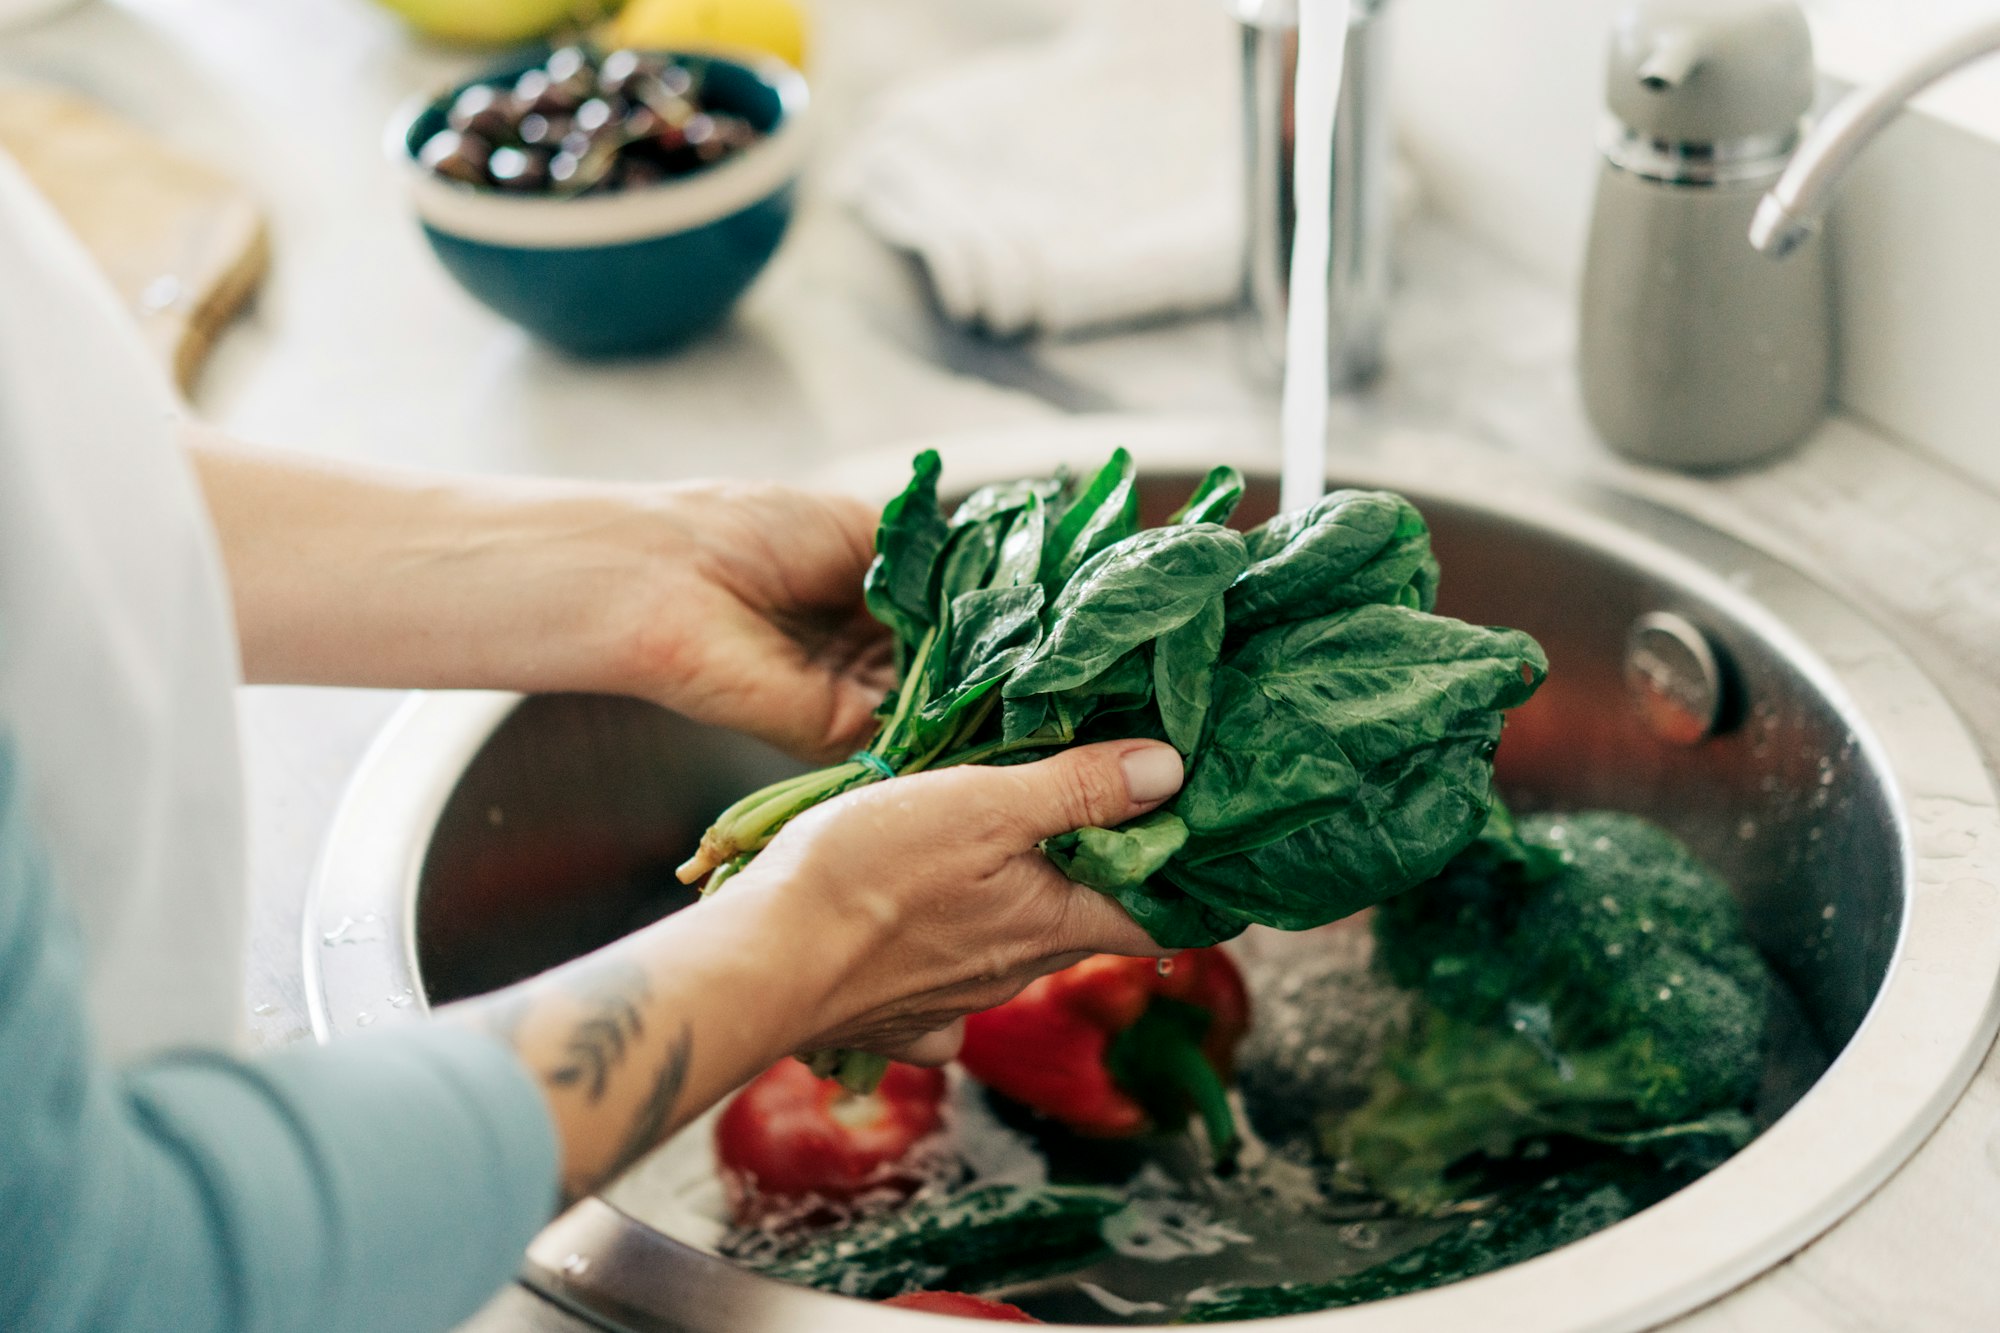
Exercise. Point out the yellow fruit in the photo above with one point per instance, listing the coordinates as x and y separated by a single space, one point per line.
771 27
491 22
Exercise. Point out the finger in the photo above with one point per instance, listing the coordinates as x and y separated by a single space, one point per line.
933 1048
1097 923
1089 785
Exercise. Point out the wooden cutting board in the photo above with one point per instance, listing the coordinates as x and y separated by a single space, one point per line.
184 245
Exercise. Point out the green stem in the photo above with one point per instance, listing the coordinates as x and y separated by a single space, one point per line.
906 698
1159 1060
994 750
750 824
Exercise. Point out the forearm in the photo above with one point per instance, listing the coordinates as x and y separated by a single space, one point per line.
359 576
633 1041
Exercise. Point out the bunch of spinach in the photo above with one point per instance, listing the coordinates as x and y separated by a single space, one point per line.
1338 737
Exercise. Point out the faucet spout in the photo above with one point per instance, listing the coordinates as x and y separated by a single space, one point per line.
1793 208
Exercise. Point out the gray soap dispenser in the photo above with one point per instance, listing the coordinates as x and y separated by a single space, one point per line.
1695 351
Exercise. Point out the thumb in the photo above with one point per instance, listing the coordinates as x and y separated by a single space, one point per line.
1093 785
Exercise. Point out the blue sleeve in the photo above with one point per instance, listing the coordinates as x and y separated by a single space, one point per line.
386 1183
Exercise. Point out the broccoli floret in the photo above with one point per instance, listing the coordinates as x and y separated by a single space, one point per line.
1581 976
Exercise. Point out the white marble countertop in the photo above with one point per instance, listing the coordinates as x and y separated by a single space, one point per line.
361 346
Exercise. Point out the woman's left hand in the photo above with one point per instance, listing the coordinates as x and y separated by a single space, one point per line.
737 604
754 619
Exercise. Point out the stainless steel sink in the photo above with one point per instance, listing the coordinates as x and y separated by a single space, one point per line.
488 837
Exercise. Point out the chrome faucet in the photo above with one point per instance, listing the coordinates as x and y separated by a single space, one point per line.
1358 277
1796 203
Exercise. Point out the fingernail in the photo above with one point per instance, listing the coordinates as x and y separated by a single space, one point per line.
1152 773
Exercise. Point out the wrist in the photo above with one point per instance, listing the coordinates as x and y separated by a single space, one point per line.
575 575
808 952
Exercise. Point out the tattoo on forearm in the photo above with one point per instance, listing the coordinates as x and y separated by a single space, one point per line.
610 1027
650 1122
604 1036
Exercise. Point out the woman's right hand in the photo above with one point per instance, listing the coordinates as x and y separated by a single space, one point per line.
937 882
872 922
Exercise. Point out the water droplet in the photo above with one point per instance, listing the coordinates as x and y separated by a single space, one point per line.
363 1019
1609 904
1815 833
495 816
263 1010
1614 951
402 999
1827 912
1826 773
1165 967
575 1265
1666 994
351 930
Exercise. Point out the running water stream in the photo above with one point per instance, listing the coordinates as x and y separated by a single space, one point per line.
1322 52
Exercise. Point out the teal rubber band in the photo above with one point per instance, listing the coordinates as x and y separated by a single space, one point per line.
869 759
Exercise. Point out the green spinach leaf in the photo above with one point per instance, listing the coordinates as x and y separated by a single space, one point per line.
907 545
1351 549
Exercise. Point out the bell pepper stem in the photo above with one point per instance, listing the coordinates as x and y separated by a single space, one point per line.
1160 1061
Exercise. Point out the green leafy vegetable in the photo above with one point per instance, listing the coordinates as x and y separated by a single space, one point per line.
1338 737
983 1237
1581 976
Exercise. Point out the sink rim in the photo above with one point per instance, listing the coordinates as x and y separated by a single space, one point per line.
1925 1033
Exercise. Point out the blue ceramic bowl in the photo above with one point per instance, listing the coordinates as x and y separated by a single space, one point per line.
632 271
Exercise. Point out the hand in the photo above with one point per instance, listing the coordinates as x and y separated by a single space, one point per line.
737 604
875 921
941 874
755 620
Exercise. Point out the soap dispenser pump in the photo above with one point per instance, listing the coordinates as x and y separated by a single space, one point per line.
1695 351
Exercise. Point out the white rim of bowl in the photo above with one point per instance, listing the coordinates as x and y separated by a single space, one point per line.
539 222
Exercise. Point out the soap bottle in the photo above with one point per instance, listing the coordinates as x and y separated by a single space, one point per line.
1696 352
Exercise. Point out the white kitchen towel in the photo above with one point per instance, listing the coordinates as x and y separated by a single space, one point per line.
1088 180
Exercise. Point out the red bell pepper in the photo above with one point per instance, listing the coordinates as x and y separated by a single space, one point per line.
794 1146
1117 1047
962 1305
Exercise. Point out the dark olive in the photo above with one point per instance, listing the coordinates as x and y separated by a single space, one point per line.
619 71
597 114
535 91
572 172
522 169
484 110
676 81
569 68
537 129
641 122
456 156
